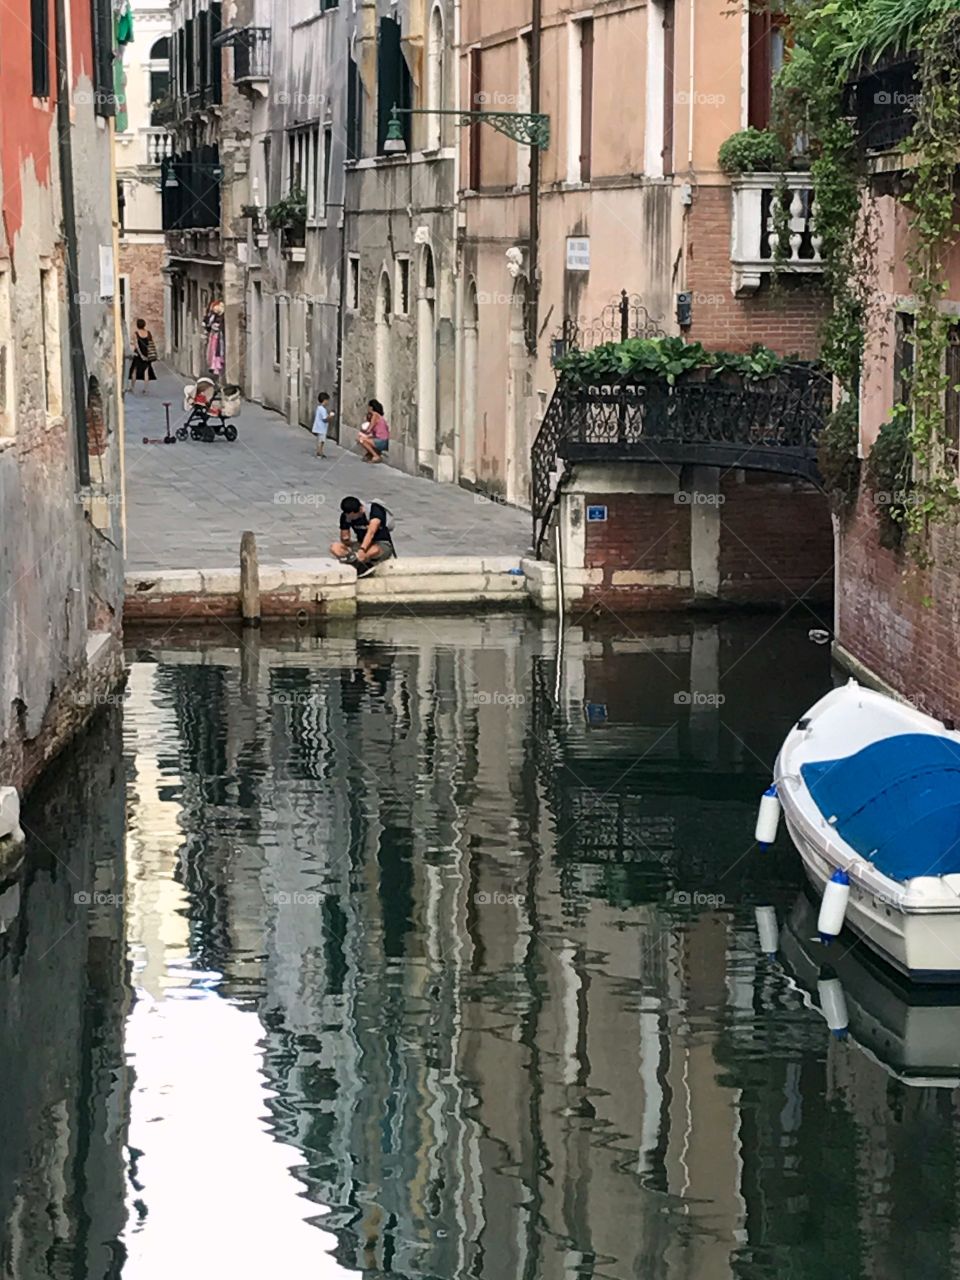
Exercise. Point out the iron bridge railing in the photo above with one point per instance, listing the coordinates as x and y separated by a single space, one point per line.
771 424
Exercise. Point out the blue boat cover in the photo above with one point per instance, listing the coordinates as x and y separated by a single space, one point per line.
897 802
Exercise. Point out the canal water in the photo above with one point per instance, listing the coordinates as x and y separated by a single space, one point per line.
414 950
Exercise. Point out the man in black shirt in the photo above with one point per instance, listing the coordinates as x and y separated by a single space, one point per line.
370 529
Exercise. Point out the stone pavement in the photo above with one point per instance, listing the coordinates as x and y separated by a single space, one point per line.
189 503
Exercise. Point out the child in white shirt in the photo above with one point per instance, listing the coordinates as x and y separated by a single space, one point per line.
321 421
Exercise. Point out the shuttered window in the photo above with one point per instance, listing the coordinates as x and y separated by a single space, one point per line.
40 47
394 88
104 98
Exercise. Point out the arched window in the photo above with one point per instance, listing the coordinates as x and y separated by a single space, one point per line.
160 69
383 353
436 92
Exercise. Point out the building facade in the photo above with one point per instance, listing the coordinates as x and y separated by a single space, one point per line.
205 189
142 147
61 481
401 301
297 62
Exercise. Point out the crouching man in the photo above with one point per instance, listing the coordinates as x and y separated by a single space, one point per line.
364 536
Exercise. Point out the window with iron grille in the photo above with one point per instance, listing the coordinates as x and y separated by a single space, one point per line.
952 395
40 47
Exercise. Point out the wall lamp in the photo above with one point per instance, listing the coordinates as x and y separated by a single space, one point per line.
532 129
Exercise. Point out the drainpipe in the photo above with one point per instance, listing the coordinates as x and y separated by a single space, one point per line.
78 371
344 273
533 302
118 335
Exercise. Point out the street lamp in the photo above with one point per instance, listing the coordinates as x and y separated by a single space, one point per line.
531 128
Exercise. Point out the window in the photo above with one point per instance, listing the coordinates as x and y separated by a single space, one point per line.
580 101
50 327
952 396
304 173
476 104
122 207
903 355
353 283
328 4
276 333
524 103
105 92
767 29
7 398
394 85
327 160
435 78
402 291
354 112
40 47
266 169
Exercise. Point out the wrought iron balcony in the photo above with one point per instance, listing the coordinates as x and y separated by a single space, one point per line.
753 233
770 424
251 54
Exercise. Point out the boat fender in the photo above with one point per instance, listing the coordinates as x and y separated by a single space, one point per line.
833 906
833 1004
768 818
768 931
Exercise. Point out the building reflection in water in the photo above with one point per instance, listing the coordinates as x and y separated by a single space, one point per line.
446 966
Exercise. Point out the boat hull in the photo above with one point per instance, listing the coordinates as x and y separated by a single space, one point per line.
923 946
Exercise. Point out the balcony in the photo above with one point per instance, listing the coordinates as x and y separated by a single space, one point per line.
199 98
251 58
159 145
753 248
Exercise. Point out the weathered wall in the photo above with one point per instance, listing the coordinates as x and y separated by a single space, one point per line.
698 538
60 566
900 621
142 264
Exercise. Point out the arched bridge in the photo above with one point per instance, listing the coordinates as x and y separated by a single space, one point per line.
769 424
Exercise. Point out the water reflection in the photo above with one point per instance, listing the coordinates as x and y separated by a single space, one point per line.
446 965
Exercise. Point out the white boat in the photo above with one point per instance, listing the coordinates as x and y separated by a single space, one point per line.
870 787
911 1031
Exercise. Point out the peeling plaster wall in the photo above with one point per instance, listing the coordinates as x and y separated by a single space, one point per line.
60 577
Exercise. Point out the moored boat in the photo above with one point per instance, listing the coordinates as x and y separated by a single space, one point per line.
870 793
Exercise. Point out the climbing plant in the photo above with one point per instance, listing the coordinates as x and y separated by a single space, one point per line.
833 40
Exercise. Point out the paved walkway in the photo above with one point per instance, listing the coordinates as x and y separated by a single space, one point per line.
189 503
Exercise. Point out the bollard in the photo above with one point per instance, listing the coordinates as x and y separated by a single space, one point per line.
249 581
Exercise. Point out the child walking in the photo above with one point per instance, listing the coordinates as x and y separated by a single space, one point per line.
321 421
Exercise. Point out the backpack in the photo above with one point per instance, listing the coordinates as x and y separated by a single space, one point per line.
391 521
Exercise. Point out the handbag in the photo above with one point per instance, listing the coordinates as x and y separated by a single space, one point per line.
151 348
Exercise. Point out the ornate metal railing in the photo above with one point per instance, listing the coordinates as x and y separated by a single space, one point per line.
767 425
625 317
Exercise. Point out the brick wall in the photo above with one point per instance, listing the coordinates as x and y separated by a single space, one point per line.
141 264
787 318
900 621
776 541
775 546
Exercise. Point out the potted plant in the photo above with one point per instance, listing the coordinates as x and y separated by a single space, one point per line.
289 217
752 151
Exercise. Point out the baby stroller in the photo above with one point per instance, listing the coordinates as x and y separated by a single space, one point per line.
208 407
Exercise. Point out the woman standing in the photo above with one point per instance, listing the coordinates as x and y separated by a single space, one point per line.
374 437
144 353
